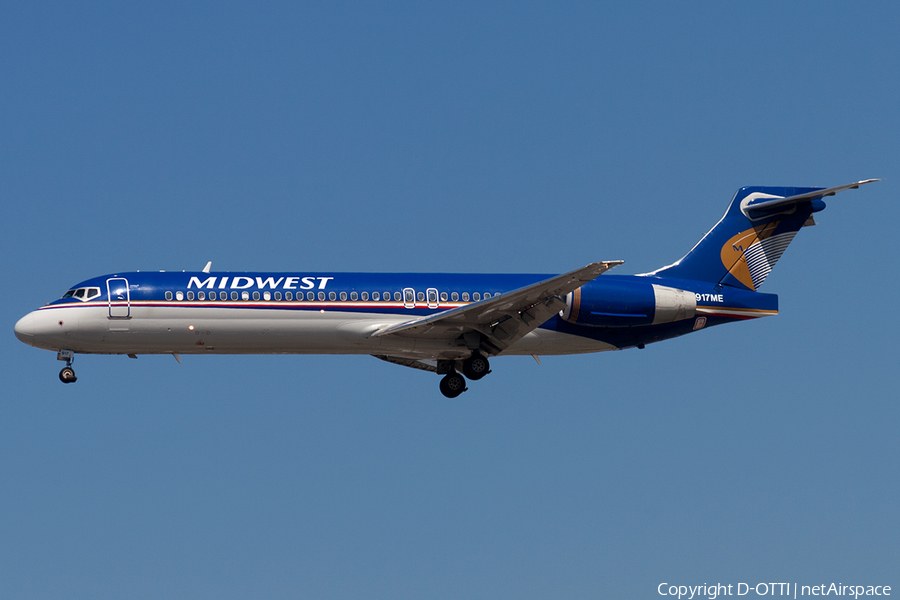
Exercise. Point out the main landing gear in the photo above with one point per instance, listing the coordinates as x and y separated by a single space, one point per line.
475 367
453 384
67 375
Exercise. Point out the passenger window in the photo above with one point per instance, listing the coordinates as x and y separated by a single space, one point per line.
465 296
409 296
79 293
397 296
343 296
179 295
454 296
354 296
289 296
234 295
278 295
267 296
476 296
201 295
420 296
321 296
365 296
309 295
432 296
168 295
332 296
256 295
245 295
376 296
443 296
190 295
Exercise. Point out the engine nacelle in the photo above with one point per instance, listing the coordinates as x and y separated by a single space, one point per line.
609 302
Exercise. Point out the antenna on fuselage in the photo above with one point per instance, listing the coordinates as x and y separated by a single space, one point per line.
207 267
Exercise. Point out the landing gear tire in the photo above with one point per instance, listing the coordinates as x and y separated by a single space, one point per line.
476 366
452 385
67 375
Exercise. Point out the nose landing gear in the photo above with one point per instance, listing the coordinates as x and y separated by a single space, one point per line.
67 375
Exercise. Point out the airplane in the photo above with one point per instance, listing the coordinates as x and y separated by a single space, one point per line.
449 324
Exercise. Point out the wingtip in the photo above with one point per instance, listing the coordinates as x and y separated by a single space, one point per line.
606 265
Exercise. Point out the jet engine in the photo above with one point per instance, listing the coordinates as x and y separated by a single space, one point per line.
609 302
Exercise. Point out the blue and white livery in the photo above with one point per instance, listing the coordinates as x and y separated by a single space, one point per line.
449 324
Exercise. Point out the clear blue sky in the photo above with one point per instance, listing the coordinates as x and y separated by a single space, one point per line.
449 137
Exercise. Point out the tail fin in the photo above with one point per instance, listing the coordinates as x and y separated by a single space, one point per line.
743 247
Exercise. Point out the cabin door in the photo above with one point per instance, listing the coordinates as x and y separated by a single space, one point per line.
119 298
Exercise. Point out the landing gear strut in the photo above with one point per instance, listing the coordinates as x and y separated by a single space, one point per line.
453 384
67 375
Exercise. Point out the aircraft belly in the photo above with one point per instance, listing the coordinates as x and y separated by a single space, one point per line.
547 342
198 330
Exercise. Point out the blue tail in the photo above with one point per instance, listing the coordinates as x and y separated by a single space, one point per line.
743 247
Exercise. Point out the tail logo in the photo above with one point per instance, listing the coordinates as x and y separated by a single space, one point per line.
750 255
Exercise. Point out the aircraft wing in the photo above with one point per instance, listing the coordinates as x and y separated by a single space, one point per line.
502 320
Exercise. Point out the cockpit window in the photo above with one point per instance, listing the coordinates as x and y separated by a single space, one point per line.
83 294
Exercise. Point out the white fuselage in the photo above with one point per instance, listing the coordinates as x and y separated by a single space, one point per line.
88 328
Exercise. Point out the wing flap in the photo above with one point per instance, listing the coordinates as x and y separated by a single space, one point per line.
408 362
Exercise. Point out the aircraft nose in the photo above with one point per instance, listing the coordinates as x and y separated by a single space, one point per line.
25 329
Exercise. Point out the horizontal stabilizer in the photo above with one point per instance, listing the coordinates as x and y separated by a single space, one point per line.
757 205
